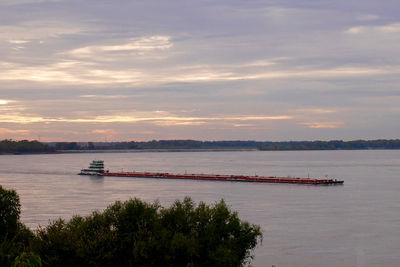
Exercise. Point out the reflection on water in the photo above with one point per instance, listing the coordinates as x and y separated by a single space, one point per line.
356 224
97 179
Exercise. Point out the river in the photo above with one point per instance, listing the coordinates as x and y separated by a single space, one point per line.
355 224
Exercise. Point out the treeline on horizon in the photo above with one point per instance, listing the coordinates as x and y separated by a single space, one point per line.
25 146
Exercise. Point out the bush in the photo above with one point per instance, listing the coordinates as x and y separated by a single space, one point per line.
10 209
27 260
135 233
14 236
132 233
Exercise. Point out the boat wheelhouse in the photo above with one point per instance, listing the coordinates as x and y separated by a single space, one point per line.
96 167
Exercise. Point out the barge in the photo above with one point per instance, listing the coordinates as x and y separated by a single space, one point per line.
97 168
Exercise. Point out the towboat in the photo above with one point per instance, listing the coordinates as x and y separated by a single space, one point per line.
96 167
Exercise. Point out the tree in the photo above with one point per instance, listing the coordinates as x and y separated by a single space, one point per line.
23 146
136 233
132 233
14 236
10 209
90 145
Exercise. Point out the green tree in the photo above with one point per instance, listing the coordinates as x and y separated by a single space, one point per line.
90 145
131 233
10 209
136 233
27 260
14 236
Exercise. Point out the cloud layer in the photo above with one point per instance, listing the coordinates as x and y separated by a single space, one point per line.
279 70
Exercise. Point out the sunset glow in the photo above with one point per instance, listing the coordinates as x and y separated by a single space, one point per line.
307 71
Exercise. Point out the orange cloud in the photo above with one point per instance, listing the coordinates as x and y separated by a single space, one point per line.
323 125
12 118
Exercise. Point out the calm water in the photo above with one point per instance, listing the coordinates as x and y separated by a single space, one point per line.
357 224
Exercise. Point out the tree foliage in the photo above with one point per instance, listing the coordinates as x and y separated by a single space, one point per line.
14 236
67 146
131 233
266 145
10 209
23 146
27 259
135 233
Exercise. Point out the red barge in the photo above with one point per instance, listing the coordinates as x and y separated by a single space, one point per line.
97 168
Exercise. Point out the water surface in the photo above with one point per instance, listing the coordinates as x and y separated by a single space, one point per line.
357 224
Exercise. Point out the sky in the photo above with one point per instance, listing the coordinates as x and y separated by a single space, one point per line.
96 70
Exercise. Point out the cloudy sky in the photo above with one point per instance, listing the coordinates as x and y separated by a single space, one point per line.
95 70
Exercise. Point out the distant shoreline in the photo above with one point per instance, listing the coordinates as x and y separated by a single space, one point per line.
36 147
